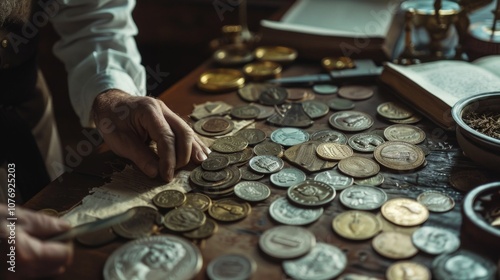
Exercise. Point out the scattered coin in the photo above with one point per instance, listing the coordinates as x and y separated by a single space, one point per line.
462 264
400 271
140 225
266 164
221 79
214 124
334 179
262 70
231 266
365 142
229 210
214 163
198 201
245 112
184 219
388 226
282 211
276 54
268 148
351 120
325 89
394 245
436 201
333 151
296 94
435 241
311 193
327 261
356 92
215 176
288 177
169 199
363 197
248 174
265 111
375 181
404 212
356 225
340 104
252 191
328 135
315 109
359 167
273 96
254 136
204 231
399 155
229 144
289 136
286 242
251 91
305 157
404 133
466 180
97 238
411 120
394 111
290 115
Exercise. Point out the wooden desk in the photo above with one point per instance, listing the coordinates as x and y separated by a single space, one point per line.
444 159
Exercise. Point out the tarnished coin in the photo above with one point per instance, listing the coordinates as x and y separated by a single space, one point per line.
232 157
394 245
252 191
208 109
251 91
340 104
184 219
395 111
231 267
304 156
463 264
266 164
142 224
215 176
244 156
399 155
286 242
404 133
311 193
245 112
265 111
289 136
97 238
290 115
388 226
435 241
351 120
436 201
333 151
288 177
206 230
169 199
229 144
153 258
325 89
400 271
213 127
248 174
375 181
356 92
325 261
273 96
365 142
282 211
411 120
356 225
229 210
268 148
196 177
253 135
328 135
363 197
315 109
198 201
404 212
215 163
466 180
359 167
334 179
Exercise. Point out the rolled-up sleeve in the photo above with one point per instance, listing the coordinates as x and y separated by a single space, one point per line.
98 49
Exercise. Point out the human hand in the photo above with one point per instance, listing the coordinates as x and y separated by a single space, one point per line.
35 258
128 122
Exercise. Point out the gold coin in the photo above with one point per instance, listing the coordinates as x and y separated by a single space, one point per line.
395 111
229 144
232 55
184 219
359 167
262 70
337 63
275 53
404 212
404 133
221 79
403 269
169 199
198 201
356 225
49 212
333 151
394 245
229 210
388 226
206 230
399 155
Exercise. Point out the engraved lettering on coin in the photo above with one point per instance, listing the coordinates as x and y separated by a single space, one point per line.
365 142
282 211
334 179
311 193
328 135
287 177
363 197
289 136
436 201
351 120
399 155
435 241
214 163
404 133
333 151
286 242
266 164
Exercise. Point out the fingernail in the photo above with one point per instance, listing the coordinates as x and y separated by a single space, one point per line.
151 169
170 174
201 156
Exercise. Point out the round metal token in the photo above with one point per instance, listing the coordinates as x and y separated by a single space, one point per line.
325 89
169 199
231 266
140 225
287 242
340 104
206 230
436 201
232 55
311 193
273 96
315 109
262 70
333 151
253 135
248 174
229 210
404 212
184 219
251 91
198 201
288 177
395 111
289 136
328 135
365 142
356 225
214 163
211 126
463 264
400 270
358 167
252 191
229 144
356 92
282 211
221 79
266 164
394 245
435 241
399 155
268 148
245 112
334 179
278 54
363 197
404 133
351 121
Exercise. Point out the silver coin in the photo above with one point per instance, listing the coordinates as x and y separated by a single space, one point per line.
340 104
325 89
351 120
325 261
231 267
365 142
363 197
334 179
289 136
282 211
374 181
287 242
462 264
311 193
436 201
288 177
266 164
154 258
435 241
328 135
252 191
315 109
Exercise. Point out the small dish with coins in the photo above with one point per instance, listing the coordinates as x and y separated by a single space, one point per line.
478 128
220 80
277 54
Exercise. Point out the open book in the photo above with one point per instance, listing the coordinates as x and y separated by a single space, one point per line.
319 28
434 87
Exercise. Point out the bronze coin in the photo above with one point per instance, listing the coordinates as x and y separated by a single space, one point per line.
214 163
215 125
169 199
142 224
356 92
252 135
229 144
215 176
219 121
245 112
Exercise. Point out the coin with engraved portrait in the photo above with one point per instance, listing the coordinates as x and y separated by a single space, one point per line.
273 96
287 177
204 231
311 193
394 110
268 148
315 109
229 210
463 264
169 199
436 201
363 197
229 144
282 211
351 120
154 257
325 261
435 241
394 245
252 191
329 135
402 269
334 179
399 155
231 266
266 164
404 133
333 151
253 135
214 163
356 92
365 142
356 225
198 201
245 112
359 167
340 104
286 242
289 136
404 212
140 225
184 219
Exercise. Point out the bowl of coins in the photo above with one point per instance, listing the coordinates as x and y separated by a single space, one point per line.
478 128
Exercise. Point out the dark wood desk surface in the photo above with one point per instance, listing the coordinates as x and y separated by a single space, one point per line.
444 159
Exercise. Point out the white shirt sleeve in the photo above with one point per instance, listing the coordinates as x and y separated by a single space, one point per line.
98 49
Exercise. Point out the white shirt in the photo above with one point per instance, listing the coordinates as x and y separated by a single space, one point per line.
98 49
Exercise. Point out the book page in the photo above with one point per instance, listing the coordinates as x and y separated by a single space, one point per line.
450 80
361 18
490 63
